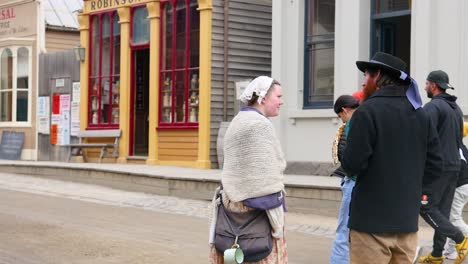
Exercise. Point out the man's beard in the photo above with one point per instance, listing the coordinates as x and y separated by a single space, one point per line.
368 91
429 94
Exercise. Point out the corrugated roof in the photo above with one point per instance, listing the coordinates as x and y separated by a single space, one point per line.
62 13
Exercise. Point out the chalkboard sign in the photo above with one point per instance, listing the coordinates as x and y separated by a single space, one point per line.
11 145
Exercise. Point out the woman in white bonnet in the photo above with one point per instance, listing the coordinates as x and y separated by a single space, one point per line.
254 164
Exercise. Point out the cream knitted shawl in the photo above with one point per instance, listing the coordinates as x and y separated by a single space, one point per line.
253 160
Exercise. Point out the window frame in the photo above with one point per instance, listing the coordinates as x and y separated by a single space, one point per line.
187 69
14 89
100 77
308 69
134 44
377 17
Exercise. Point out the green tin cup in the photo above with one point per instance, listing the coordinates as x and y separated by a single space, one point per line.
233 256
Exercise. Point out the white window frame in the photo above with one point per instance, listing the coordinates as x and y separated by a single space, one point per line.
14 123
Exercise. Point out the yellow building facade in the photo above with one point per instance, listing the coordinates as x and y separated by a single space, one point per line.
147 72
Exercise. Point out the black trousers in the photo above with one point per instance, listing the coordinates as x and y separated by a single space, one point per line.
437 212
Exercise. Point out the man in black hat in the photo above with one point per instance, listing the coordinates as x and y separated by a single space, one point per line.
437 199
391 147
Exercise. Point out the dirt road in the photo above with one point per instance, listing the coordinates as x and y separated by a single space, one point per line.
38 228
50 221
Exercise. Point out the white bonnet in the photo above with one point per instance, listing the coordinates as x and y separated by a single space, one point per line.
260 86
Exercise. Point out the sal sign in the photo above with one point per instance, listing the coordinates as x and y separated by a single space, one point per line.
7 13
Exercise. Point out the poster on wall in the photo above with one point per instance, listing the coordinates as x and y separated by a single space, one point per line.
54 129
56 104
75 109
64 103
64 126
43 111
75 118
60 120
64 123
240 87
76 92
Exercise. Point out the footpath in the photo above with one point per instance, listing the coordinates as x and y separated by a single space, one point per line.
305 193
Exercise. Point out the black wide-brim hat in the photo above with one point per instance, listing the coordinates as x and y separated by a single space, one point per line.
386 63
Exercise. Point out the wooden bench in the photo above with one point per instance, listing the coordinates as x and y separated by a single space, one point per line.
77 149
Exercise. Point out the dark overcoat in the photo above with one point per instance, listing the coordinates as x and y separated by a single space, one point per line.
392 148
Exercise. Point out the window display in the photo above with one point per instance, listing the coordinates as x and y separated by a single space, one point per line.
104 95
180 30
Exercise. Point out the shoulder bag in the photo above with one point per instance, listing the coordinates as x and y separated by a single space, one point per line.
250 230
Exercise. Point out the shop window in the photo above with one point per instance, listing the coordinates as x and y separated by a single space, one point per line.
14 84
319 53
104 88
180 37
140 26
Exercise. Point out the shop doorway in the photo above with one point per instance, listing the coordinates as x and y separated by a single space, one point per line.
140 102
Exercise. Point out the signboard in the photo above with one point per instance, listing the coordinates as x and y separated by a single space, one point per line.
98 5
12 22
11 145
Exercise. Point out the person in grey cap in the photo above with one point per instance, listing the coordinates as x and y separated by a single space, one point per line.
392 148
437 199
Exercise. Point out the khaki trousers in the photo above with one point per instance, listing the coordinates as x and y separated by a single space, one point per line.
367 248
